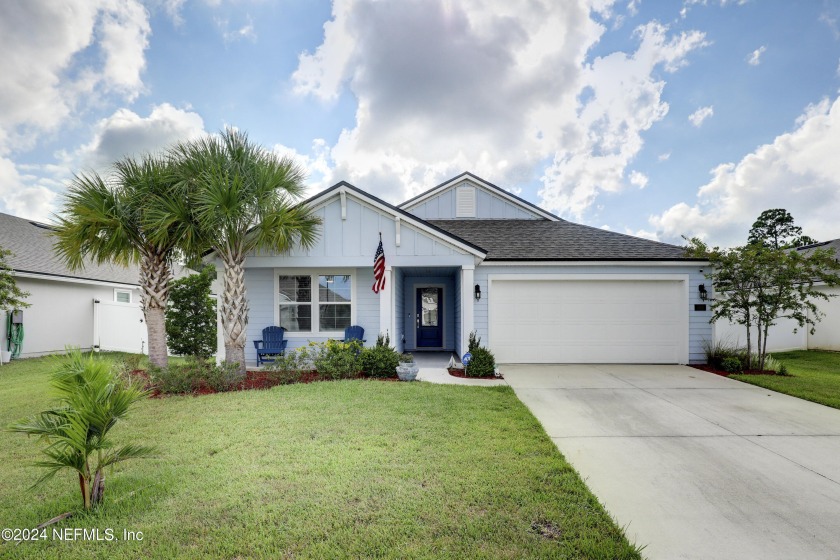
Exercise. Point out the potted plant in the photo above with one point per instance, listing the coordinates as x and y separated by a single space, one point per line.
407 370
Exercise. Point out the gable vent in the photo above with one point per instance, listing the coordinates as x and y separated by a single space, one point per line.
465 202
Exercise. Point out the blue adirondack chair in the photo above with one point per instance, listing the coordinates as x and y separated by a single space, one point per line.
354 332
272 344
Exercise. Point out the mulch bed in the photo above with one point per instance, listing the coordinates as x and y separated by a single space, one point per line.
458 372
254 380
712 369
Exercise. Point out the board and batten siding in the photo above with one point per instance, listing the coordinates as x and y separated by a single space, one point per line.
699 328
489 205
353 241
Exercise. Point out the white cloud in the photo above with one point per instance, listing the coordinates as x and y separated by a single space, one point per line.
47 78
664 156
798 171
644 234
638 179
125 133
754 58
427 76
700 115
244 31
24 196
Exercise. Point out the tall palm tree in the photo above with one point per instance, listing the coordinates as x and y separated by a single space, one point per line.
91 402
107 220
236 198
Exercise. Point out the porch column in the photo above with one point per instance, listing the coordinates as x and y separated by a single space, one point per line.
386 297
467 324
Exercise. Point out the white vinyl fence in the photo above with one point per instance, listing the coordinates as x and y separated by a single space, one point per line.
119 327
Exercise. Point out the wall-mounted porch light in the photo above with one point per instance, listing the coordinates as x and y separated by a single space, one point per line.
477 292
704 295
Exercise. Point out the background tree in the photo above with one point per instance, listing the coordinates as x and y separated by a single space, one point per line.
91 402
11 297
756 285
107 220
191 316
775 229
236 198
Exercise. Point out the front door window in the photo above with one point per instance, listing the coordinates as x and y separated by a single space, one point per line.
429 315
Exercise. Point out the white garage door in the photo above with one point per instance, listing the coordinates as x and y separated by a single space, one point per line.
588 321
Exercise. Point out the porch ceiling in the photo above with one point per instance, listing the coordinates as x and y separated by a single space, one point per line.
429 270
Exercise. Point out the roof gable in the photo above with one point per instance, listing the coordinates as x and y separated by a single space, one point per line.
445 202
343 191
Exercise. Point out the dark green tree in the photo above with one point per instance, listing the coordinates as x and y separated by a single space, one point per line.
191 316
775 229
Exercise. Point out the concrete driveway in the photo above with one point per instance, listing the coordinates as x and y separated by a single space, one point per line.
694 465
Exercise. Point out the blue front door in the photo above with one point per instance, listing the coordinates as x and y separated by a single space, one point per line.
429 317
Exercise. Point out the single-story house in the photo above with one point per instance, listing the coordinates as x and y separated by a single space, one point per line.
786 334
96 307
467 256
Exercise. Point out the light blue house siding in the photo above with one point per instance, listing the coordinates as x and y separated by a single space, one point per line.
488 206
349 236
699 329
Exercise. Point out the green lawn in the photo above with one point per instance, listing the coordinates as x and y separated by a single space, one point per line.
814 376
349 469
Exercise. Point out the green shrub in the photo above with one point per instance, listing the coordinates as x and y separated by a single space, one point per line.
482 364
380 361
195 374
716 352
335 359
731 364
298 359
474 342
783 370
191 316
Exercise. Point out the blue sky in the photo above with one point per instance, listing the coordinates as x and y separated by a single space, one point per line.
657 119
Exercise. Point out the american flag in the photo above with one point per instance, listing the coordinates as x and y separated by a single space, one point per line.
379 268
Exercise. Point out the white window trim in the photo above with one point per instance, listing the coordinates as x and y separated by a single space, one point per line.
314 274
122 291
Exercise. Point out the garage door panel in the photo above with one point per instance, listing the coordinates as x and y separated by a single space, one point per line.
569 321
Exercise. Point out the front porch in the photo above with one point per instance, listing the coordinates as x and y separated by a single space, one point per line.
432 309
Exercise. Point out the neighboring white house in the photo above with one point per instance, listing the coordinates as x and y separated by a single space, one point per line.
96 307
467 255
786 334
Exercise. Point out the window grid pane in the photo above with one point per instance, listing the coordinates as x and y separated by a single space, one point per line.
295 289
333 317
296 318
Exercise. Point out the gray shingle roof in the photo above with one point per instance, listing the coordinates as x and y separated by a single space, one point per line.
32 246
832 244
544 240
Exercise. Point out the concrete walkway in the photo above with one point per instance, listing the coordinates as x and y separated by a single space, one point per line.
433 369
694 465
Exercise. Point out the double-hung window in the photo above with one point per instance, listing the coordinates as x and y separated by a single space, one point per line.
315 303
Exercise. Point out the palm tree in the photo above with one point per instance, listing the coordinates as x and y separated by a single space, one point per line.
106 220
236 198
91 402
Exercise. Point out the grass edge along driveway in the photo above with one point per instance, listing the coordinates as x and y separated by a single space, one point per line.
329 470
814 376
